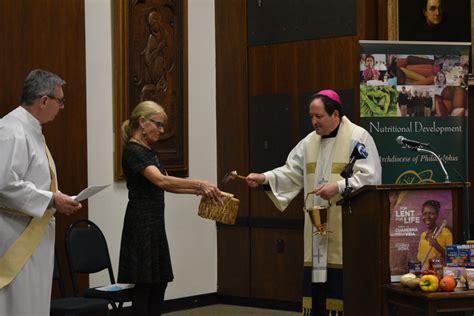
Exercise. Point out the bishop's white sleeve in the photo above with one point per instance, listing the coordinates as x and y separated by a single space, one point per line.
16 192
288 180
366 171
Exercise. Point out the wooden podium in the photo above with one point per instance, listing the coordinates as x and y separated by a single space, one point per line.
366 224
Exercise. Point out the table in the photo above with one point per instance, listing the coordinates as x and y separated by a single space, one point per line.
429 303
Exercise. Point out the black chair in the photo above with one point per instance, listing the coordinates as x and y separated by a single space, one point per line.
72 306
87 252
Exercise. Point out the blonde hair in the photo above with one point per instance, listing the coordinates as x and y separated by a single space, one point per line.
145 109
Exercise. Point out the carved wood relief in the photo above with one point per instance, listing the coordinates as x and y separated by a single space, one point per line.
150 63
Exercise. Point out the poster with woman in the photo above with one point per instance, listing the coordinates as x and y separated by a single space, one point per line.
420 228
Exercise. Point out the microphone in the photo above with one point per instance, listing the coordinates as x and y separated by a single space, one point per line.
418 146
411 143
359 152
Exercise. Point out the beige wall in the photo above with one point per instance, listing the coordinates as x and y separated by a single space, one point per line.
192 239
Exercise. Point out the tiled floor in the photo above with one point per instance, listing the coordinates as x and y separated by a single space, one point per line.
230 310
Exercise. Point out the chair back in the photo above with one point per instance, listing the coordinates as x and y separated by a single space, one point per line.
87 250
57 275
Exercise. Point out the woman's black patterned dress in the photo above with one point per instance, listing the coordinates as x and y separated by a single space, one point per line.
144 252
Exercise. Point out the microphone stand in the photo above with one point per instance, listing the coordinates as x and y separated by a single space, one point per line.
446 177
346 174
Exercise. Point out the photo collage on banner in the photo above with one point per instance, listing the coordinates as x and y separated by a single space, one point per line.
413 86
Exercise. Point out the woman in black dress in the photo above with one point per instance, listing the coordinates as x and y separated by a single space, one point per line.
144 253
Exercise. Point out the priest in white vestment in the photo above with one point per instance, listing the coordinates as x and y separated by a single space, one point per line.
28 199
315 165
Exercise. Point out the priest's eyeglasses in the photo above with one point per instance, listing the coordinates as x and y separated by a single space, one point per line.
60 100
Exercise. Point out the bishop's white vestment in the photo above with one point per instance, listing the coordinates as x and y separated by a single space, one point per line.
314 161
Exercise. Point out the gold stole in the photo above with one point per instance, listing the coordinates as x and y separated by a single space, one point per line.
339 158
21 250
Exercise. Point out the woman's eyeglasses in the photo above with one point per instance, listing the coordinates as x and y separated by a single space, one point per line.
158 124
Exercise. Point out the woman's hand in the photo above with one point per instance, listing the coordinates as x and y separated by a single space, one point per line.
210 190
435 244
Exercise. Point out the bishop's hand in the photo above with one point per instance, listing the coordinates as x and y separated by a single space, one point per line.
255 179
327 190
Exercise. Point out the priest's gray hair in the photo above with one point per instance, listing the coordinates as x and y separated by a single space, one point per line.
38 83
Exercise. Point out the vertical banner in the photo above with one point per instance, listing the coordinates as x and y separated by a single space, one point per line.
416 91
412 93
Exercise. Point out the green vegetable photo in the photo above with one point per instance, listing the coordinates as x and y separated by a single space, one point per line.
378 101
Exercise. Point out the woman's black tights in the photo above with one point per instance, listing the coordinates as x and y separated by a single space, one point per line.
147 299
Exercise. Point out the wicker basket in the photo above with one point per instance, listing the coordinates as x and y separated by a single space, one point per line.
225 213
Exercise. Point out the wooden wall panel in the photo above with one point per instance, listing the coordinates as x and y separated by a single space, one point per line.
370 13
233 245
233 265
263 208
277 264
327 64
272 69
232 97
49 34
382 22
